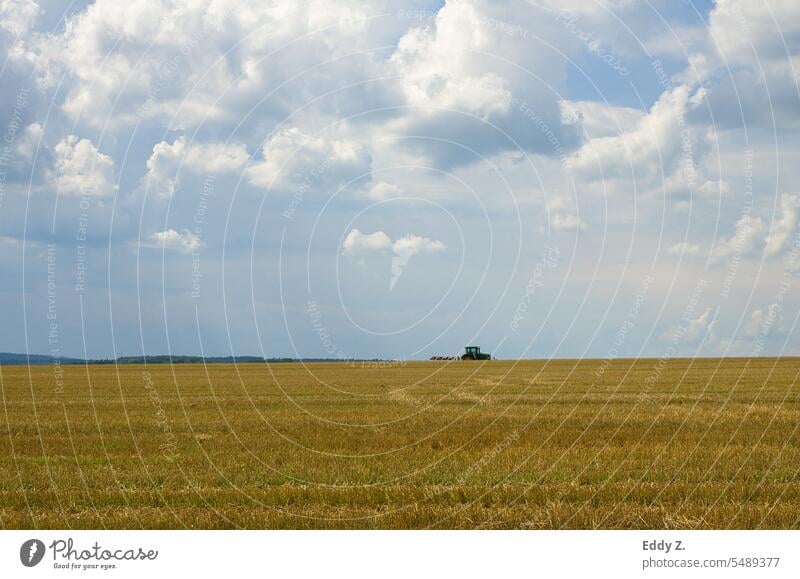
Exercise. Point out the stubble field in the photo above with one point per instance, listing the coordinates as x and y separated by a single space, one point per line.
540 445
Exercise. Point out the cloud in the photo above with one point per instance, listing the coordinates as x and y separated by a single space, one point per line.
563 212
684 248
598 119
414 244
746 32
82 170
293 160
381 190
748 61
186 63
568 222
17 16
409 244
182 242
783 227
700 326
438 69
749 238
28 141
714 189
167 159
407 247
762 321
162 165
475 87
660 146
216 157
357 241
692 329
305 97
403 248
192 61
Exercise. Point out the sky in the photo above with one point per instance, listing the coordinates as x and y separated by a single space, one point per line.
589 178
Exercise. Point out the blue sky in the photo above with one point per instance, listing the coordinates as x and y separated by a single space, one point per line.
603 178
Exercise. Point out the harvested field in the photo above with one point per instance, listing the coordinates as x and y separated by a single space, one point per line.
535 445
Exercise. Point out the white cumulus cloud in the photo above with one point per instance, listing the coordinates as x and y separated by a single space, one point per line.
748 239
784 225
357 241
186 61
407 247
167 159
403 249
29 140
661 145
82 170
183 242
17 16
293 160
437 66
414 244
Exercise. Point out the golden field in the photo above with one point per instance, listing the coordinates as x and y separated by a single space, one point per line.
526 445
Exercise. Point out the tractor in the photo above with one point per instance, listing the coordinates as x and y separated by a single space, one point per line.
474 353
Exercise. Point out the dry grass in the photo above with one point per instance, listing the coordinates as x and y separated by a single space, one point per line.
710 444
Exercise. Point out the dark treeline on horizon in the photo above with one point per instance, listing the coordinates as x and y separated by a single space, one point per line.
10 359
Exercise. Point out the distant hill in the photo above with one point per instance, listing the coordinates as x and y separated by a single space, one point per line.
8 359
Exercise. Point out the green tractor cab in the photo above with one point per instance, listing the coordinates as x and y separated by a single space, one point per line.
474 353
